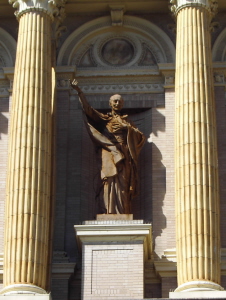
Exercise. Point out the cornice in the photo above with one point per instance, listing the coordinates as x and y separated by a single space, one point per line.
54 8
210 5
167 265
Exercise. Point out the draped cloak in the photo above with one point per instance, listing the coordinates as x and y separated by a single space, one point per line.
117 157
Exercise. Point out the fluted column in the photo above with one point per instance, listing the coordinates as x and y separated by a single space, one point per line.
27 222
197 194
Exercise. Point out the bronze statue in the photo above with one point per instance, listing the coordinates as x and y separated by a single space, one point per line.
118 143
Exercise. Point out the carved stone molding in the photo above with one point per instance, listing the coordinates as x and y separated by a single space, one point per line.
219 74
210 5
170 80
63 84
54 8
6 82
219 78
94 33
168 71
9 74
63 75
219 47
111 84
4 92
62 268
59 17
214 26
167 265
7 49
113 51
122 88
117 12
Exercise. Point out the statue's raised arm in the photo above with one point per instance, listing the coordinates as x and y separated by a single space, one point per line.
87 108
82 98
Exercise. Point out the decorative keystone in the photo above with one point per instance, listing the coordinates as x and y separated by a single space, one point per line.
210 5
54 8
117 12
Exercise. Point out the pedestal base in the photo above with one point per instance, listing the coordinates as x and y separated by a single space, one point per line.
198 295
198 289
107 217
113 258
199 286
21 288
26 297
24 292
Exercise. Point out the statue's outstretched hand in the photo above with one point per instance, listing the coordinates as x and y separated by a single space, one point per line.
74 85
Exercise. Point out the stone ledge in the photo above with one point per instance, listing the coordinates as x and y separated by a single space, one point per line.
198 295
113 222
114 217
62 270
26 297
119 231
167 265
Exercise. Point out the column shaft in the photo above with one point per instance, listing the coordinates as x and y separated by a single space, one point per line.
197 194
29 168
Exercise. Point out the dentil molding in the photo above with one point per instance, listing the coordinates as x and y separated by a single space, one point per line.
54 8
210 5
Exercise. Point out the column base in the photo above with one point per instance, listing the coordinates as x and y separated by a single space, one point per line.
198 289
199 286
16 289
26 297
198 295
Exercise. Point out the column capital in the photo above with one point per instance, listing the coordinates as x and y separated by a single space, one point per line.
210 5
54 8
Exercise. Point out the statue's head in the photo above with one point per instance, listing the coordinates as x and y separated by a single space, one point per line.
116 102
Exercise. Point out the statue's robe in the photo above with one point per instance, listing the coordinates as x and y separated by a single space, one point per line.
117 155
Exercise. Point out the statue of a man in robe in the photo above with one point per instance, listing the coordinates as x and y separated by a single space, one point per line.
118 144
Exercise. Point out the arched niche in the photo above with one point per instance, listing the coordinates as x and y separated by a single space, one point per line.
7 49
91 45
219 47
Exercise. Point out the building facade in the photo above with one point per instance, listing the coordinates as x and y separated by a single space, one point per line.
168 61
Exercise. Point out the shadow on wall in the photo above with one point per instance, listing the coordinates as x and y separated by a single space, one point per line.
3 125
159 191
159 124
158 142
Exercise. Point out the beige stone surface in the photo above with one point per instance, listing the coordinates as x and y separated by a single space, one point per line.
198 295
113 260
197 188
104 217
26 297
29 167
70 197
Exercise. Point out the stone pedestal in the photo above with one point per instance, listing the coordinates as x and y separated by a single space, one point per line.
198 294
113 258
26 297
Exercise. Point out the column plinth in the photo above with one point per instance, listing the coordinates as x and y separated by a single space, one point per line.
28 199
25 288
197 188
